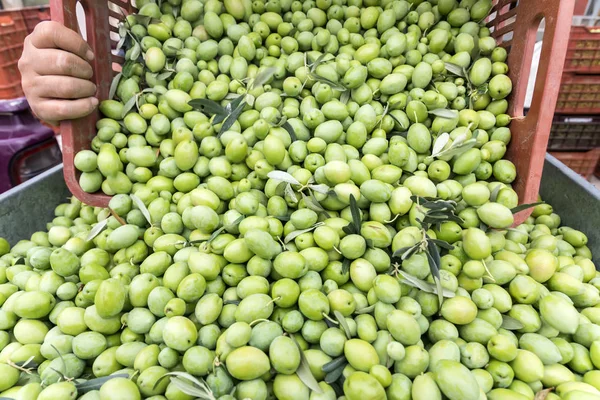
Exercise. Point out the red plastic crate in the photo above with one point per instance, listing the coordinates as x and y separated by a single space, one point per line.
575 132
584 163
510 18
13 32
35 15
579 94
583 54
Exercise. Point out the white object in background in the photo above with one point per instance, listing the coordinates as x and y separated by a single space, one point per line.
537 50
8 4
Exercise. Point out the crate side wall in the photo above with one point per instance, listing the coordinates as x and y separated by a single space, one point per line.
27 208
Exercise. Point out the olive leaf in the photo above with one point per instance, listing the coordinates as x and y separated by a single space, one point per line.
230 120
346 266
455 69
207 107
288 127
345 97
322 188
221 229
198 388
427 287
164 75
283 176
334 364
444 113
525 207
334 375
317 62
397 121
510 323
114 85
129 105
304 372
229 108
142 207
366 310
263 77
99 227
293 235
356 214
494 194
289 191
440 143
343 323
332 84
312 203
433 255
96 384
136 51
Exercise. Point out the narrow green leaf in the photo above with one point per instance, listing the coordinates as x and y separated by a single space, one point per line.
304 372
142 207
334 364
136 51
420 284
232 118
263 77
221 229
345 97
99 227
289 191
129 105
366 310
342 320
440 143
286 125
525 207
397 121
442 244
332 84
293 235
207 107
494 194
323 189
356 214
346 266
283 176
96 384
334 375
313 204
164 75
510 323
444 113
114 86
455 69
317 62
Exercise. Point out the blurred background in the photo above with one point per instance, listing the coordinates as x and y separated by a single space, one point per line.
29 147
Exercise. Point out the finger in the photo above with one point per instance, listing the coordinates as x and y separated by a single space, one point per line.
50 34
60 62
63 87
59 110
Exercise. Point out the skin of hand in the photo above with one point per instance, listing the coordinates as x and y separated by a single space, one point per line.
55 73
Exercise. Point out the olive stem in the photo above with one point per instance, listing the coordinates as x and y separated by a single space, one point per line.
330 319
257 321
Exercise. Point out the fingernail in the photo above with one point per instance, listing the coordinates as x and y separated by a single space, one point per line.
90 55
94 101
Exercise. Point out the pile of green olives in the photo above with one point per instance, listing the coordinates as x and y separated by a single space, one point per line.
310 201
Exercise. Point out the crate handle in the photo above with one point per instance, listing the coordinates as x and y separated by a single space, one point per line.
97 30
528 148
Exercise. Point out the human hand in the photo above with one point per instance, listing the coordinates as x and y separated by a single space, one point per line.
55 73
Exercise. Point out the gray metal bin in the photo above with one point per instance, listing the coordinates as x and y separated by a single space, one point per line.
27 208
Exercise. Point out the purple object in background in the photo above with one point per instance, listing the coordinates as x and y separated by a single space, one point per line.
27 148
